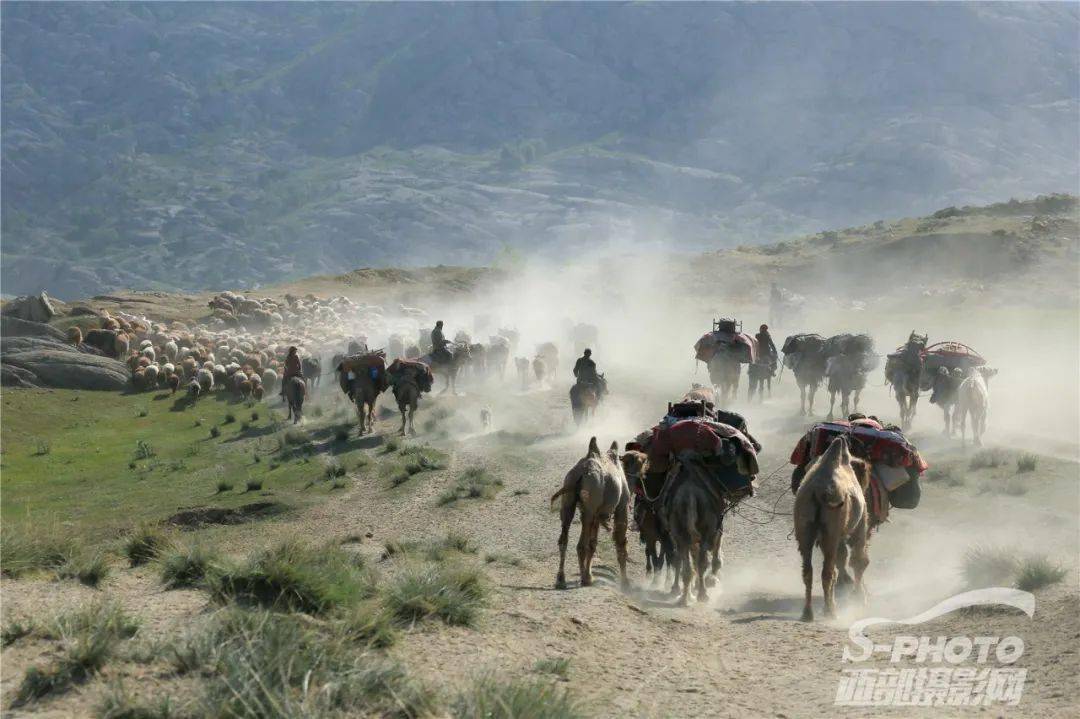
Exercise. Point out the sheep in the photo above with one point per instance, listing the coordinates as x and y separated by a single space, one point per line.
168 368
270 379
194 389
231 368
206 380
208 365
143 361
149 353
74 335
188 365
145 343
245 388
220 375
171 350
151 376
173 382
138 379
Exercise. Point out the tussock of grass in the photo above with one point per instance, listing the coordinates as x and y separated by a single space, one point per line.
490 698
1026 463
988 458
144 544
224 486
367 623
295 577
341 434
253 485
436 550
14 631
1037 572
559 666
502 558
947 475
989 566
334 469
454 594
215 432
21 553
261 664
118 704
390 446
473 483
186 565
89 567
89 638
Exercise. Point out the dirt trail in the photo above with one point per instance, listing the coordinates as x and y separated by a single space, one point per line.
744 653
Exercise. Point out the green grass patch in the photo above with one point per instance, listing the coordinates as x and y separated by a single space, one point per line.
1036 572
186 565
143 545
117 703
986 566
558 666
14 631
491 698
452 593
473 483
295 577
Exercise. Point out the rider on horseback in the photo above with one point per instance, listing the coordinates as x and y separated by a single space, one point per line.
438 344
585 371
293 368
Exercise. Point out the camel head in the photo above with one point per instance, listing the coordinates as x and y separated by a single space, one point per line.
987 373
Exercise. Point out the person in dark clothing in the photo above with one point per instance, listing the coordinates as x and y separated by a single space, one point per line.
439 342
293 368
766 346
585 372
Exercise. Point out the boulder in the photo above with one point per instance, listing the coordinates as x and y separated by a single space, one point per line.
45 362
11 326
33 308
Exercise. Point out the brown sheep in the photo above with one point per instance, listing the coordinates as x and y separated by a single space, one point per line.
74 335
245 389
257 392
188 365
173 381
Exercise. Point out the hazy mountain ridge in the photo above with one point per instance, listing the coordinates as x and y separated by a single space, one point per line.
190 146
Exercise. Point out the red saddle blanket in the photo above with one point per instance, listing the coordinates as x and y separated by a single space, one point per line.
867 441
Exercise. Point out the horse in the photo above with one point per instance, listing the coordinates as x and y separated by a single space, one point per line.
295 392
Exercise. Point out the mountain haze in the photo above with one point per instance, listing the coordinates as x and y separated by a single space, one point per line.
190 146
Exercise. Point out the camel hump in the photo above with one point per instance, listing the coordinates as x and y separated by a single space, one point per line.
594 448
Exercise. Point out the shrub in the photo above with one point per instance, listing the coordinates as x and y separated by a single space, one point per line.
20 553
334 469
293 436
13 632
1026 462
988 458
989 566
43 448
1036 572
215 432
186 565
295 577
143 545
341 434
453 594
229 418
947 475
254 485
338 484
254 416
224 485
316 411
390 446
143 450
515 699
144 411
244 427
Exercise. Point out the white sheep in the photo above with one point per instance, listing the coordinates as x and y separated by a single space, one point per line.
206 379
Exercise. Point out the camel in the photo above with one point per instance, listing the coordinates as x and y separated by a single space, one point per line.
364 392
830 510
760 374
522 365
584 399
597 488
846 378
945 392
651 531
497 355
700 393
973 397
295 392
693 513
904 372
550 354
312 369
407 395
539 369
724 371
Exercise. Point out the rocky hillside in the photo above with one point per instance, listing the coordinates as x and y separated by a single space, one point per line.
190 146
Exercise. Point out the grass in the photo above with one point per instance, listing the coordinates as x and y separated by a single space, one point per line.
224 485
367 623
261 664
452 593
186 565
436 550
13 632
1026 463
491 698
473 483
92 441
988 458
117 703
143 545
1036 572
948 475
253 485
87 566
21 553
144 450
334 469
502 558
215 432
986 566
88 638
295 577
559 666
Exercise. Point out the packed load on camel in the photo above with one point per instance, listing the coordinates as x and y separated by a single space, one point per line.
717 437
851 345
801 346
951 356
895 463
728 338
371 364
415 370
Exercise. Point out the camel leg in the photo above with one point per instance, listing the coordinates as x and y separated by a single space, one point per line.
701 565
843 578
860 559
832 404
687 566
718 554
828 574
412 416
813 393
618 532
978 424
650 552
567 516
858 393
583 547
807 552
802 400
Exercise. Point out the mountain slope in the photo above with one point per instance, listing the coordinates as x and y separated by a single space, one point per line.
184 146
